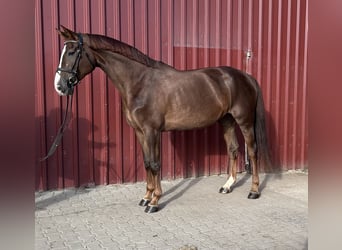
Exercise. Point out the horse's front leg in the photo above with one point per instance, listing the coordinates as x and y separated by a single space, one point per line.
150 143
149 188
153 142
157 193
149 178
153 191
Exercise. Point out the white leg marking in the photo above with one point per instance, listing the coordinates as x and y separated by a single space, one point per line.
229 182
57 75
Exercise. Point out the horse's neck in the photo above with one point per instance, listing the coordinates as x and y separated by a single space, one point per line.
120 69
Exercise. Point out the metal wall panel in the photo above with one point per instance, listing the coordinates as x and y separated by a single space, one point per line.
263 37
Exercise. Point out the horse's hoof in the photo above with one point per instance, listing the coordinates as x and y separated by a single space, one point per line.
224 190
151 209
253 195
144 202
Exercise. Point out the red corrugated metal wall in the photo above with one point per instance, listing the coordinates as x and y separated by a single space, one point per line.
265 38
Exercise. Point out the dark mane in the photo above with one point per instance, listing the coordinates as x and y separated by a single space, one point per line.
107 43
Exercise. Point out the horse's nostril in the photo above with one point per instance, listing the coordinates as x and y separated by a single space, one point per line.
59 88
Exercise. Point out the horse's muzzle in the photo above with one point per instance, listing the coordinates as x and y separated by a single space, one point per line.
64 90
63 87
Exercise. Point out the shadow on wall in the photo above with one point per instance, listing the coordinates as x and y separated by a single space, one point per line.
203 151
273 145
76 162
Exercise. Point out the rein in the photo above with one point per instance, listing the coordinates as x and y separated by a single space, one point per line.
61 129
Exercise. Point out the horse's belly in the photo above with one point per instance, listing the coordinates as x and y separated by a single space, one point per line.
182 121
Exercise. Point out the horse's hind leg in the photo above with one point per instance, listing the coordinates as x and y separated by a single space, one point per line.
228 124
249 136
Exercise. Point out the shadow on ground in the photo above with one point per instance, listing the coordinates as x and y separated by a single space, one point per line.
184 186
51 198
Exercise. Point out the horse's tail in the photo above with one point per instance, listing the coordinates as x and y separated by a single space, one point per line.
263 155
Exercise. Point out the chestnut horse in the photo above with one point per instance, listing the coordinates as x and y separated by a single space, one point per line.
156 98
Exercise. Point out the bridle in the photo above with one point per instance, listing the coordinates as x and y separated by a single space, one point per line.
71 83
73 80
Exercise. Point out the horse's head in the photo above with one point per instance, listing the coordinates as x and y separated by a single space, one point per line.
75 63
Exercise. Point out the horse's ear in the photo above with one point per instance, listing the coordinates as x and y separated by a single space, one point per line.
66 33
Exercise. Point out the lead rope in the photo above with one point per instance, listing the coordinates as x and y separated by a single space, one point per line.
61 130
